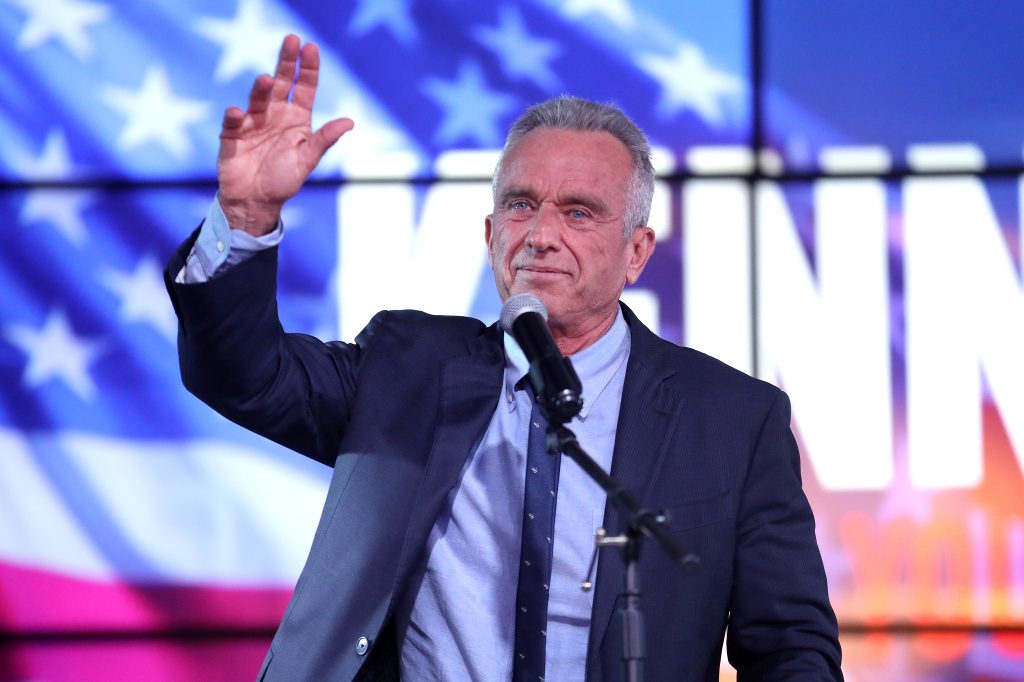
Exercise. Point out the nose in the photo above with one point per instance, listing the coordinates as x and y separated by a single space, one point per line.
546 230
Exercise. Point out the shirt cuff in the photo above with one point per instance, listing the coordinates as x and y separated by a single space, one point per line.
219 247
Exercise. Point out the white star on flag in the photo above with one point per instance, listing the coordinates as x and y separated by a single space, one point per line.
143 296
53 162
521 55
61 208
688 81
470 108
394 14
55 352
618 12
65 20
248 39
155 114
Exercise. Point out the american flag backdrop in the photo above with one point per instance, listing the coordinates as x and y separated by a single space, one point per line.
144 537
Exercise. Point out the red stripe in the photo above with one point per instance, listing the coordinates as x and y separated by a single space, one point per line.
39 601
209 661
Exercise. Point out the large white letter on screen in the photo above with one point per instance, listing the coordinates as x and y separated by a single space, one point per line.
965 315
716 270
826 339
388 262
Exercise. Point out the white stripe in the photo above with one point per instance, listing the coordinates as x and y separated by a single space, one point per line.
855 159
478 164
945 157
720 159
473 164
771 161
37 528
201 511
663 160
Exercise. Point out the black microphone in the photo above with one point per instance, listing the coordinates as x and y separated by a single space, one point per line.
552 376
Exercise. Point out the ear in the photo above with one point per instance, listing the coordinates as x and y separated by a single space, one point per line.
487 237
639 247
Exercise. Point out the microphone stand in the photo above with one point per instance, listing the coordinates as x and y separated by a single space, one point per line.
640 522
557 390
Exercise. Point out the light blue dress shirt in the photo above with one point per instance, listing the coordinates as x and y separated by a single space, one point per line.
456 621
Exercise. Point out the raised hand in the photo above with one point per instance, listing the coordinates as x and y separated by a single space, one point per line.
267 152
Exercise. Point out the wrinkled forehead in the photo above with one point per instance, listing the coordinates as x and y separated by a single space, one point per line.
554 155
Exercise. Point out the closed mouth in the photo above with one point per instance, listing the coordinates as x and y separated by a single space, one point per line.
542 270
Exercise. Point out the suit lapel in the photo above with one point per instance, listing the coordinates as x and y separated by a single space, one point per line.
647 418
470 386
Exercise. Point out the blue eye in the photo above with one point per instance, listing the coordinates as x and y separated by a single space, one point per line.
578 214
519 205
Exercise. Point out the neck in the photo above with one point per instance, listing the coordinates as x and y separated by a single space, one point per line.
572 339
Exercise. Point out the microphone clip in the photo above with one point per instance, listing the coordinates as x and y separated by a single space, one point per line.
559 405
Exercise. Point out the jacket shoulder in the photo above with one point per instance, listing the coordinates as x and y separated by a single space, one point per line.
424 335
695 373
418 326
716 375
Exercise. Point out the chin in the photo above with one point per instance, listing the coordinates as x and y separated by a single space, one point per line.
547 297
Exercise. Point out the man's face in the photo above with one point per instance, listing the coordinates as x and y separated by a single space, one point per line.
557 226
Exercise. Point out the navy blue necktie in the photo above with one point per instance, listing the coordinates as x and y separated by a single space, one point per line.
535 555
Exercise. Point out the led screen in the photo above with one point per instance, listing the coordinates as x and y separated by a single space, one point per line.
878 86
139 530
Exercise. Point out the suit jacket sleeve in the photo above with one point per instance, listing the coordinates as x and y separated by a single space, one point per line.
781 625
235 357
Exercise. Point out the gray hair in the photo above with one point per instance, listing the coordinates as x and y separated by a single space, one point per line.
573 113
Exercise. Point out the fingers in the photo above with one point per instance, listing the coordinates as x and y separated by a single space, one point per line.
268 89
259 96
307 59
230 132
233 118
309 68
284 74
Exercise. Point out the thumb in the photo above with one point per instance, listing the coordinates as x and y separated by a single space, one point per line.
324 138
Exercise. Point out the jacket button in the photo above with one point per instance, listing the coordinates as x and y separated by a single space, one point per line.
362 645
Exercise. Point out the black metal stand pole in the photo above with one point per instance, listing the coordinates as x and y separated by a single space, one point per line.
651 524
639 521
632 619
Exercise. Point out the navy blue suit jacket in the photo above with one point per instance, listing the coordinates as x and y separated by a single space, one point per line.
397 413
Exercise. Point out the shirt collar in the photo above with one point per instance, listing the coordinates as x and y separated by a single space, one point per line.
595 365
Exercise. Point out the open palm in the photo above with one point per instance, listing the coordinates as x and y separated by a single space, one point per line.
268 151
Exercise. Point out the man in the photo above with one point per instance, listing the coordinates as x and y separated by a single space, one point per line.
419 564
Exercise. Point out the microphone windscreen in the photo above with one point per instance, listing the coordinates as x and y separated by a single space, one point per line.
517 305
